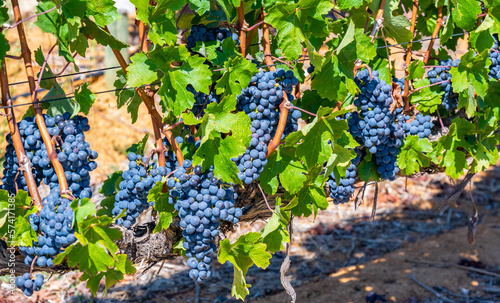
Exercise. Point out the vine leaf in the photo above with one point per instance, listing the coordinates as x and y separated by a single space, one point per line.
412 157
236 76
349 4
160 18
470 77
103 11
93 31
311 196
15 211
282 166
163 205
141 70
292 19
214 150
4 43
393 26
367 169
276 230
127 96
84 97
416 70
465 13
243 253
140 147
428 98
110 185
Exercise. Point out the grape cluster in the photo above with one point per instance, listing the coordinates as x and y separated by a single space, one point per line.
440 74
28 285
261 100
420 126
202 200
73 152
203 33
138 180
292 121
32 141
55 227
341 193
495 60
375 126
201 100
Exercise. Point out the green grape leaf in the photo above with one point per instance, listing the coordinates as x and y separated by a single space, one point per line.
140 147
173 90
162 206
141 70
4 14
284 165
465 13
367 169
82 209
394 26
345 5
14 218
329 82
292 19
4 46
412 157
427 97
163 29
103 11
85 98
110 185
93 31
276 230
74 11
311 197
416 70
314 137
237 74
243 253
200 6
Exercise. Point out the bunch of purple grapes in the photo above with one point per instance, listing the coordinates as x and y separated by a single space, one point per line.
375 126
261 100
205 34
441 75
28 285
495 60
341 193
202 201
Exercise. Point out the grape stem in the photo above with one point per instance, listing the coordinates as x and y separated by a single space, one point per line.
242 27
40 121
253 30
34 16
265 199
379 20
23 160
406 93
32 265
155 115
437 83
439 23
302 110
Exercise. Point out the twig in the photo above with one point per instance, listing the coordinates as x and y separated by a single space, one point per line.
374 209
34 16
430 85
439 23
253 30
66 66
286 265
379 20
265 199
41 72
406 93
32 265
23 160
387 50
474 218
430 289
302 110
242 27
40 121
